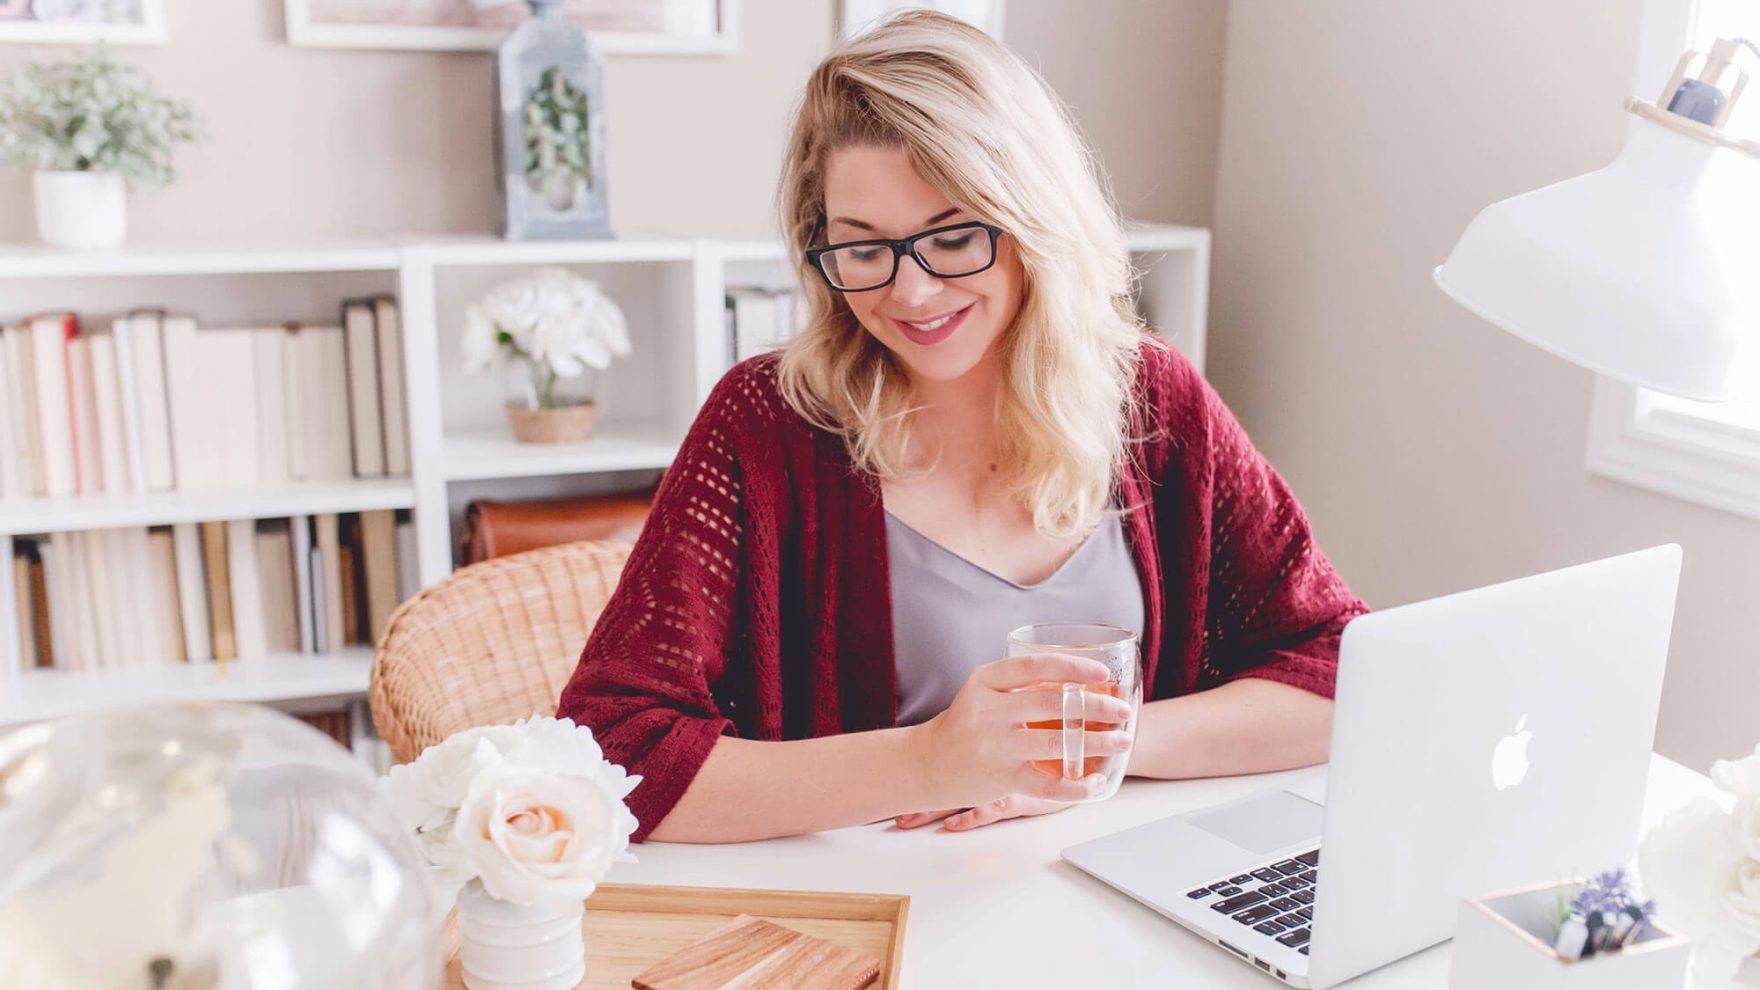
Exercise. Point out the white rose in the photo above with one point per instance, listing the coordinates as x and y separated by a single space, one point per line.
1747 815
535 837
1705 887
426 793
1739 777
478 343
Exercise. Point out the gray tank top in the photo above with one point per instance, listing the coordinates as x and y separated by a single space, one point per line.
950 616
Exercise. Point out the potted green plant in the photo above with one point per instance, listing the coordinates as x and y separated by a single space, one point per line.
90 128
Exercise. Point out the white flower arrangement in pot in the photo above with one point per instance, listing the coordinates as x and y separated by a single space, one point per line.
90 128
1702 864
552 332
528 818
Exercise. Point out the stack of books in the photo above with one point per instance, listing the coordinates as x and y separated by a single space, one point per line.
762 319
198 592
153 403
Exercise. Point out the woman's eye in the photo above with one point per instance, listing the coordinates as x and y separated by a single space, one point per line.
952 243
866 254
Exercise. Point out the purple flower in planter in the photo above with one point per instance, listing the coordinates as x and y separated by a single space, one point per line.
1608 901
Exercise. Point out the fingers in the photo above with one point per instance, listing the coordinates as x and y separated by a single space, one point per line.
1058 788
1033 669
985 814
917 819
1046 704
1047 744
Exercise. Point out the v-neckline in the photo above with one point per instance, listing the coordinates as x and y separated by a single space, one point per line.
980 568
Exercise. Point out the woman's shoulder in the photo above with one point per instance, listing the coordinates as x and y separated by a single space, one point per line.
1169 388
747 406
749 388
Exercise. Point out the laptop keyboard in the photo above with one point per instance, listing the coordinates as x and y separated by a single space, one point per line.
1276 900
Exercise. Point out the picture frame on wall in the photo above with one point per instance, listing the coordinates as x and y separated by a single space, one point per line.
857 16
82 22
617 27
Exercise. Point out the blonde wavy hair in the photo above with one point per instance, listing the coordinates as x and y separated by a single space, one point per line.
982 127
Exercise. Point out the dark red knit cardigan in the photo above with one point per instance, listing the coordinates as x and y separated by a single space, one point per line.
756 602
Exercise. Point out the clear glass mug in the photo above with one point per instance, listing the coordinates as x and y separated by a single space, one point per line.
1114 646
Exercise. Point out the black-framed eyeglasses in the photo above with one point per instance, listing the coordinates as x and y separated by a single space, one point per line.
953 251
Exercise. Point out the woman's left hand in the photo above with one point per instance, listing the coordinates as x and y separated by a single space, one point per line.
956 820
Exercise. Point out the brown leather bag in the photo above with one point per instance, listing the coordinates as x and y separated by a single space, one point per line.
497 529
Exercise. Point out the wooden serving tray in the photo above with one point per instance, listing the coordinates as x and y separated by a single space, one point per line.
629 927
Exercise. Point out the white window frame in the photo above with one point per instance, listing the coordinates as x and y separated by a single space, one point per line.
1632 439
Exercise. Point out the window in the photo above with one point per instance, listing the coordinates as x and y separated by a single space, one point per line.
1704 452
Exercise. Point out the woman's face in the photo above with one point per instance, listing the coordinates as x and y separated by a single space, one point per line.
874 192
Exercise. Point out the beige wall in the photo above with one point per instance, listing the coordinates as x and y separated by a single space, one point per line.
1433 451
317 143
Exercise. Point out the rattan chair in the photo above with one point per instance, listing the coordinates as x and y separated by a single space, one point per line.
492 643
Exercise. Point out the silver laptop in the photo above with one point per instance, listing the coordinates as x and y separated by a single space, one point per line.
1484 740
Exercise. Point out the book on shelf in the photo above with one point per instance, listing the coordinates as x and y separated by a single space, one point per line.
235 406
113 454
98 605
49 337
760 319
388 332
214 564
250 635
274 451
140 359
83 417
24 444
13 481
364 408
305 591
278 586
166 589
192 592
152 401
131 597
328 580
23 564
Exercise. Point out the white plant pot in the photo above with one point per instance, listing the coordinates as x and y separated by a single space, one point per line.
504 946
81 210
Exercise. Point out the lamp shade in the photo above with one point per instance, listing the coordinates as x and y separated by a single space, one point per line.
1647 270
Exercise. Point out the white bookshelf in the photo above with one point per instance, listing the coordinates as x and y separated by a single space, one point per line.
670 289
293 677
52 515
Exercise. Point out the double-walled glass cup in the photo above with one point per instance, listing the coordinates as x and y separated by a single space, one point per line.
1114 646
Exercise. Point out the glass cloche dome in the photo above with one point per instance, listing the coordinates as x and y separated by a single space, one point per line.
198 845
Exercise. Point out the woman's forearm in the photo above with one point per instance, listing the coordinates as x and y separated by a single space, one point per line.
750 790
1251 725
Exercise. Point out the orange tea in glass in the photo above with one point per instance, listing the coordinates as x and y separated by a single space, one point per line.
1114 646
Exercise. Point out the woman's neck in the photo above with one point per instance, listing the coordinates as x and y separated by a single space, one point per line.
958 418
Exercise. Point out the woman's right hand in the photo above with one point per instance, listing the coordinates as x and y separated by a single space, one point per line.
980 749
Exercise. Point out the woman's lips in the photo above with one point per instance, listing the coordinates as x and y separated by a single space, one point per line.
932 337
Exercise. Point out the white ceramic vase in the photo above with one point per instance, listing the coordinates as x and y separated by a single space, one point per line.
505 946
81 210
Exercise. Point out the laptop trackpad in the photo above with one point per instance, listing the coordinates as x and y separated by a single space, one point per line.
1265 823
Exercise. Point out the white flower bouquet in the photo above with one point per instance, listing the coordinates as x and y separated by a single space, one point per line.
558 322
531 813
1702 864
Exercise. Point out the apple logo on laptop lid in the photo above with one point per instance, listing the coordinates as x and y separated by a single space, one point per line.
1509 762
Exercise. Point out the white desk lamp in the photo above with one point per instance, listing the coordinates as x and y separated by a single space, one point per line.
1647 270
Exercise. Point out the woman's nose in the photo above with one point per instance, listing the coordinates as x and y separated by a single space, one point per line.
913 286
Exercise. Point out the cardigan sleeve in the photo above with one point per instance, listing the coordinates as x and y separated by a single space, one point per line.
646 678
1275 607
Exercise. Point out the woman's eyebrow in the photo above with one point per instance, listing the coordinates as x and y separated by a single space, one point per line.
932 221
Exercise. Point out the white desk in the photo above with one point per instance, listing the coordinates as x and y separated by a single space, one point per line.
996 907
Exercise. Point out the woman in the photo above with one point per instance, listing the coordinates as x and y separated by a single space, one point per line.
973 405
